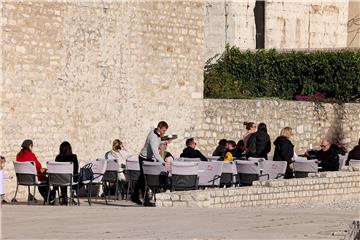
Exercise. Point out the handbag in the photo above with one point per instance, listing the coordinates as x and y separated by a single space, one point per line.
86 172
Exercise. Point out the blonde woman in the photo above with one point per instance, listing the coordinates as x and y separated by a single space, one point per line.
284 150
118 152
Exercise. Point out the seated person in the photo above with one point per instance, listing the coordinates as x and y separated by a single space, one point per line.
66 155
328 157
26 155
230 150
221 148
240 150
168 158
191 152
118 152
340 148
354 154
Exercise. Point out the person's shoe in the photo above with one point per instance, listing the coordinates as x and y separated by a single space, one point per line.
4 201
149 204
64 201
136 200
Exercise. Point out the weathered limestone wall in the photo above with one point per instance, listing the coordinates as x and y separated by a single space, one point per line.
318 187
354 24
288 24
306 24
310 121
89 72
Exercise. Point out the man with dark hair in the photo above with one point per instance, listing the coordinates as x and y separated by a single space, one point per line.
259 144
149 153
221 148
354 153
191 152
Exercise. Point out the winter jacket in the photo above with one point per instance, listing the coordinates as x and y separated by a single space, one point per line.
259 144
329 160
28 156
219 151
284 151
354 154
189 152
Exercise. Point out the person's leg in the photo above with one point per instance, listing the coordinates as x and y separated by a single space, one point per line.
140 185
63 196
43 190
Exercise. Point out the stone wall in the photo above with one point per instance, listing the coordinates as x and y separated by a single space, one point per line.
318 187
354 24
310 121
288 24
92 71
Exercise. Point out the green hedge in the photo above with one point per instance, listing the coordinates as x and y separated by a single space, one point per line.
269 73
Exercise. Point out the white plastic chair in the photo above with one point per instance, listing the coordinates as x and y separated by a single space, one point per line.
112 175
191 159
184 175
248 171
98 168
354 163
26 175
152 174
210 173
132 172
342 160
60 174
229 174
303 168
213 158
273 169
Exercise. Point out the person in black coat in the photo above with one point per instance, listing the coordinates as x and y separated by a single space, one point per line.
240 150
259 144
284 150
328 156
66 155
354 154
191 152
221 148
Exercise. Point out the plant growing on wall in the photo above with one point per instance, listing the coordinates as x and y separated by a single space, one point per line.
293 75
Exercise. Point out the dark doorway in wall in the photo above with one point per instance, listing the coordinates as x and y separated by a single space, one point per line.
259 13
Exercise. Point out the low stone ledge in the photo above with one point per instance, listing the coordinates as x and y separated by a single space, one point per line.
322 187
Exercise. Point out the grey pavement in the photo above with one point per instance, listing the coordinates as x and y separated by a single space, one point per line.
120 222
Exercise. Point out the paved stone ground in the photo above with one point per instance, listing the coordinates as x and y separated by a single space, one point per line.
121 221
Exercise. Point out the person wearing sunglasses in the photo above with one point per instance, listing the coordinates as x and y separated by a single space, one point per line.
328 158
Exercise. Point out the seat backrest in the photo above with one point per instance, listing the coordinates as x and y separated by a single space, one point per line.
60 173
209 173
153 168
248 171
60 167
354 163
99 168
133 165
185 168
306 166
191 159
247 167
112 165
213 158
133 158
26 173
229 167
25 167
275 169
299 159
342 160
256 159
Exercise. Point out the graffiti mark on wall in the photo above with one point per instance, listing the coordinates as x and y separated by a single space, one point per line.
354 28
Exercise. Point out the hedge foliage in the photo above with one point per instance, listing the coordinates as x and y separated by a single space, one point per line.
284 75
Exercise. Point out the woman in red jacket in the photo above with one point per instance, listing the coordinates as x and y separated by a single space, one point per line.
26 155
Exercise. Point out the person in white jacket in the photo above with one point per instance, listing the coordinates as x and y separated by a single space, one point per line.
120 153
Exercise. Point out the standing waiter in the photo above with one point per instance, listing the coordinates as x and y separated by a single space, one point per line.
150 153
